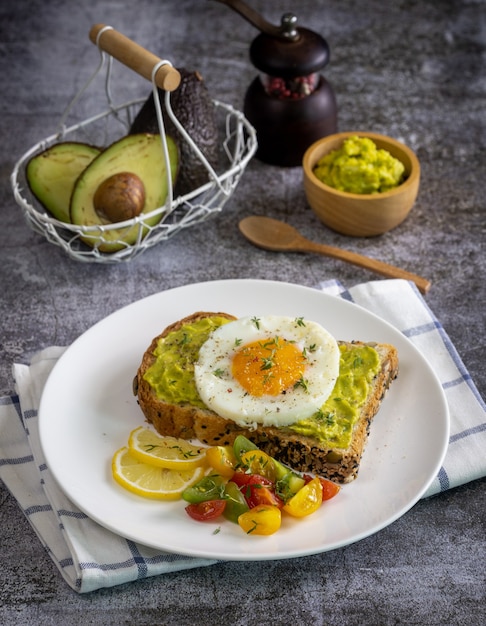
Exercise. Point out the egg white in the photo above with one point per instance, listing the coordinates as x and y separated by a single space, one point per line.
223 394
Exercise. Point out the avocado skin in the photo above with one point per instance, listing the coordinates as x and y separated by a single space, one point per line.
193 107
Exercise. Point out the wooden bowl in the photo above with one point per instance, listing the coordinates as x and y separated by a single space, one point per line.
361 215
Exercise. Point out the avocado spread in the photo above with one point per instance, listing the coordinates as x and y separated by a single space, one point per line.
359 166
333 424
172 374
172 378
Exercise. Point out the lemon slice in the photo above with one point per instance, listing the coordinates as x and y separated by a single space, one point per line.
150 481
168 452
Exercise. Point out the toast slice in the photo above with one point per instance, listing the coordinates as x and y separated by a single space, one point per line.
301 452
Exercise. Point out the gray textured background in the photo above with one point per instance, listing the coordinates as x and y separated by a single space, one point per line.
413 70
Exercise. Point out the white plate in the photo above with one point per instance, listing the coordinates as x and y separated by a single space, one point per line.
88 410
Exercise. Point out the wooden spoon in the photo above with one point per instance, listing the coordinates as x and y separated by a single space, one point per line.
271 234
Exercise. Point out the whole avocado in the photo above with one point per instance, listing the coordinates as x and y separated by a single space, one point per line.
196 111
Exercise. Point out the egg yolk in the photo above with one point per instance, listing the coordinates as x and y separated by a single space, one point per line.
268 367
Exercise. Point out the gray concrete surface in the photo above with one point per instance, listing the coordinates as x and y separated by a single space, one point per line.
414 70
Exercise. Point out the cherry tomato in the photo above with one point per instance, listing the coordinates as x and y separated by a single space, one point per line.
206 511
241 444
306 501
261 520
222 460
289 485
258 462
329 488
257 489
235 502
263 495
208 488
242 479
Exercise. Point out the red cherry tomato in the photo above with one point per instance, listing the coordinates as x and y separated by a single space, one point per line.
257 490
206 511
242 479
329 489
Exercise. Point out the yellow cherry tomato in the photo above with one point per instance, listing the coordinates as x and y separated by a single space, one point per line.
222 459
306 501
263 519
259 462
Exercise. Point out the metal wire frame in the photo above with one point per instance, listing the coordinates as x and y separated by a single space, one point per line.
238 147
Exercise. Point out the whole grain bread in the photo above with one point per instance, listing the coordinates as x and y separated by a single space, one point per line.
300 452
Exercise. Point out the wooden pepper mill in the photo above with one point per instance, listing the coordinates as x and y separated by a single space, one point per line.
289 103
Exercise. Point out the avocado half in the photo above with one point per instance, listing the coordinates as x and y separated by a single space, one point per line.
140 155
51 175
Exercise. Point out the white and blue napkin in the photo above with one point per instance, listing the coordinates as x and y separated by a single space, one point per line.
90 557
400 303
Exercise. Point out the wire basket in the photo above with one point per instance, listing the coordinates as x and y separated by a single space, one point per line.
238 145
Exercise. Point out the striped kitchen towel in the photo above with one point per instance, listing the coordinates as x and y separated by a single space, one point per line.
90 557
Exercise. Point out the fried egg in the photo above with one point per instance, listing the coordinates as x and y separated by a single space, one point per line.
269 371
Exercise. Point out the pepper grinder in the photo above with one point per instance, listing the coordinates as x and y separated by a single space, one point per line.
289 103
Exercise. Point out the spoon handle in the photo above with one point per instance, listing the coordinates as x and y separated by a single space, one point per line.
354 258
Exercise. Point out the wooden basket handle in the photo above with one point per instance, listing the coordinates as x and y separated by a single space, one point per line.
134 56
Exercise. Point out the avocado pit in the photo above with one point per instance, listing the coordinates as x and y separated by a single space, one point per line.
120 197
